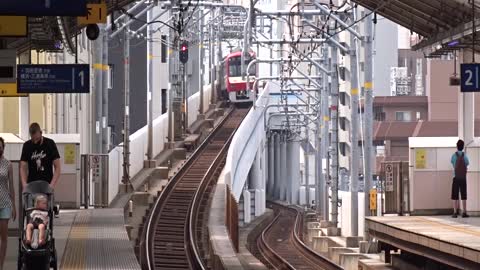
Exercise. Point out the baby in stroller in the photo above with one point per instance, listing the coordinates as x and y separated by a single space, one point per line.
36 243
38 220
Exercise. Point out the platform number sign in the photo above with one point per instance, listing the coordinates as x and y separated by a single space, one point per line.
53 78
389 177
470 77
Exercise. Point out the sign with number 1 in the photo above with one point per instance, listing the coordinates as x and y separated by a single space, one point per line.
54 78
470 77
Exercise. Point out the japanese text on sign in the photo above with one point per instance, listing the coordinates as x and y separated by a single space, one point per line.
55 78
95 167
389 177
97 13
373 199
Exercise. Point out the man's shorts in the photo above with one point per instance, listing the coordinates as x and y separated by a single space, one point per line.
459 185
5 213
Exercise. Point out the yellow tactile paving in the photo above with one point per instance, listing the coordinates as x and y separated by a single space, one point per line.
98 241
75 252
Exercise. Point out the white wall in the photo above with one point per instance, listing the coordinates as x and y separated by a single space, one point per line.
344 212
438 173
245 143
138 145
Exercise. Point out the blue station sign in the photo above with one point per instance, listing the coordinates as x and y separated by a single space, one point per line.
54 78
38 8
470 77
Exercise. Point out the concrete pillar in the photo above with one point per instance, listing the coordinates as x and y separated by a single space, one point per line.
24 105
263 153
246 206
466 108
256 183
283 168
271 166
24 111
294 174
278 171
289 168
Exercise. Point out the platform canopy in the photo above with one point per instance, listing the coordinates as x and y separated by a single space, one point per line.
45 33
443 25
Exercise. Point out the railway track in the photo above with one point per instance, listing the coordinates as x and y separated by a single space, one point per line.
281 247
175 234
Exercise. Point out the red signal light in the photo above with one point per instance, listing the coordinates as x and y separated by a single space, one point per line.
183 52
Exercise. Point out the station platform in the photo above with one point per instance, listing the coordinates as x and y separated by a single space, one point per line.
87 239
451 241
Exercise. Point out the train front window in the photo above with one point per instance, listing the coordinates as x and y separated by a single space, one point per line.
235 67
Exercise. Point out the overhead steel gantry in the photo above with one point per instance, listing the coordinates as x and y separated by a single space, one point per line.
308 117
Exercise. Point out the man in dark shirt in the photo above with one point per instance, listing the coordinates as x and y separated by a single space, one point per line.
40 158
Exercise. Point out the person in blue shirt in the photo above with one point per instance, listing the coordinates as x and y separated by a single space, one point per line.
460 164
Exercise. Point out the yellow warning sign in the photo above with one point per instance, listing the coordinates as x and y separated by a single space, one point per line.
373 199
69 154
97 13
10 90
13 26
420 158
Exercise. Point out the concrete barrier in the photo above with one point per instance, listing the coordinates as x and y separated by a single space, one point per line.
335 252
349 261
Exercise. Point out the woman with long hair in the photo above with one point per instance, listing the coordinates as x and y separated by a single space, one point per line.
7 201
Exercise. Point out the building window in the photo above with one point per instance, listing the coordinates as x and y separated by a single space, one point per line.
380 150
342 148
343 98
403 116
418 116
164 49
379 116
164 101
343 123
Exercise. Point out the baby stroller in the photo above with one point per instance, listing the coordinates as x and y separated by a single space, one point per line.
45 256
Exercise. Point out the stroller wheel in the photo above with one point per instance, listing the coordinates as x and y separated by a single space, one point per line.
19 264
53 262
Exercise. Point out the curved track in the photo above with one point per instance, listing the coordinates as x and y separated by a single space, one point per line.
178 216
281 247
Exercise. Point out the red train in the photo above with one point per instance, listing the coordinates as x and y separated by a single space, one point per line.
234 85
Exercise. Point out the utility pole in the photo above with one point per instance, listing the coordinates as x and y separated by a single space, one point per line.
171 65
213 96
150 87
126 115
98 94
354 124
176 79
334 139
105 76
201 53
368 114
307 164
219 69
325 136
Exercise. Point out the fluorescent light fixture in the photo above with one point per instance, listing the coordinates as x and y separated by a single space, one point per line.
453 43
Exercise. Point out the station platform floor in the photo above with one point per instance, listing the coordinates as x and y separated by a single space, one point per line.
453 241
87 239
